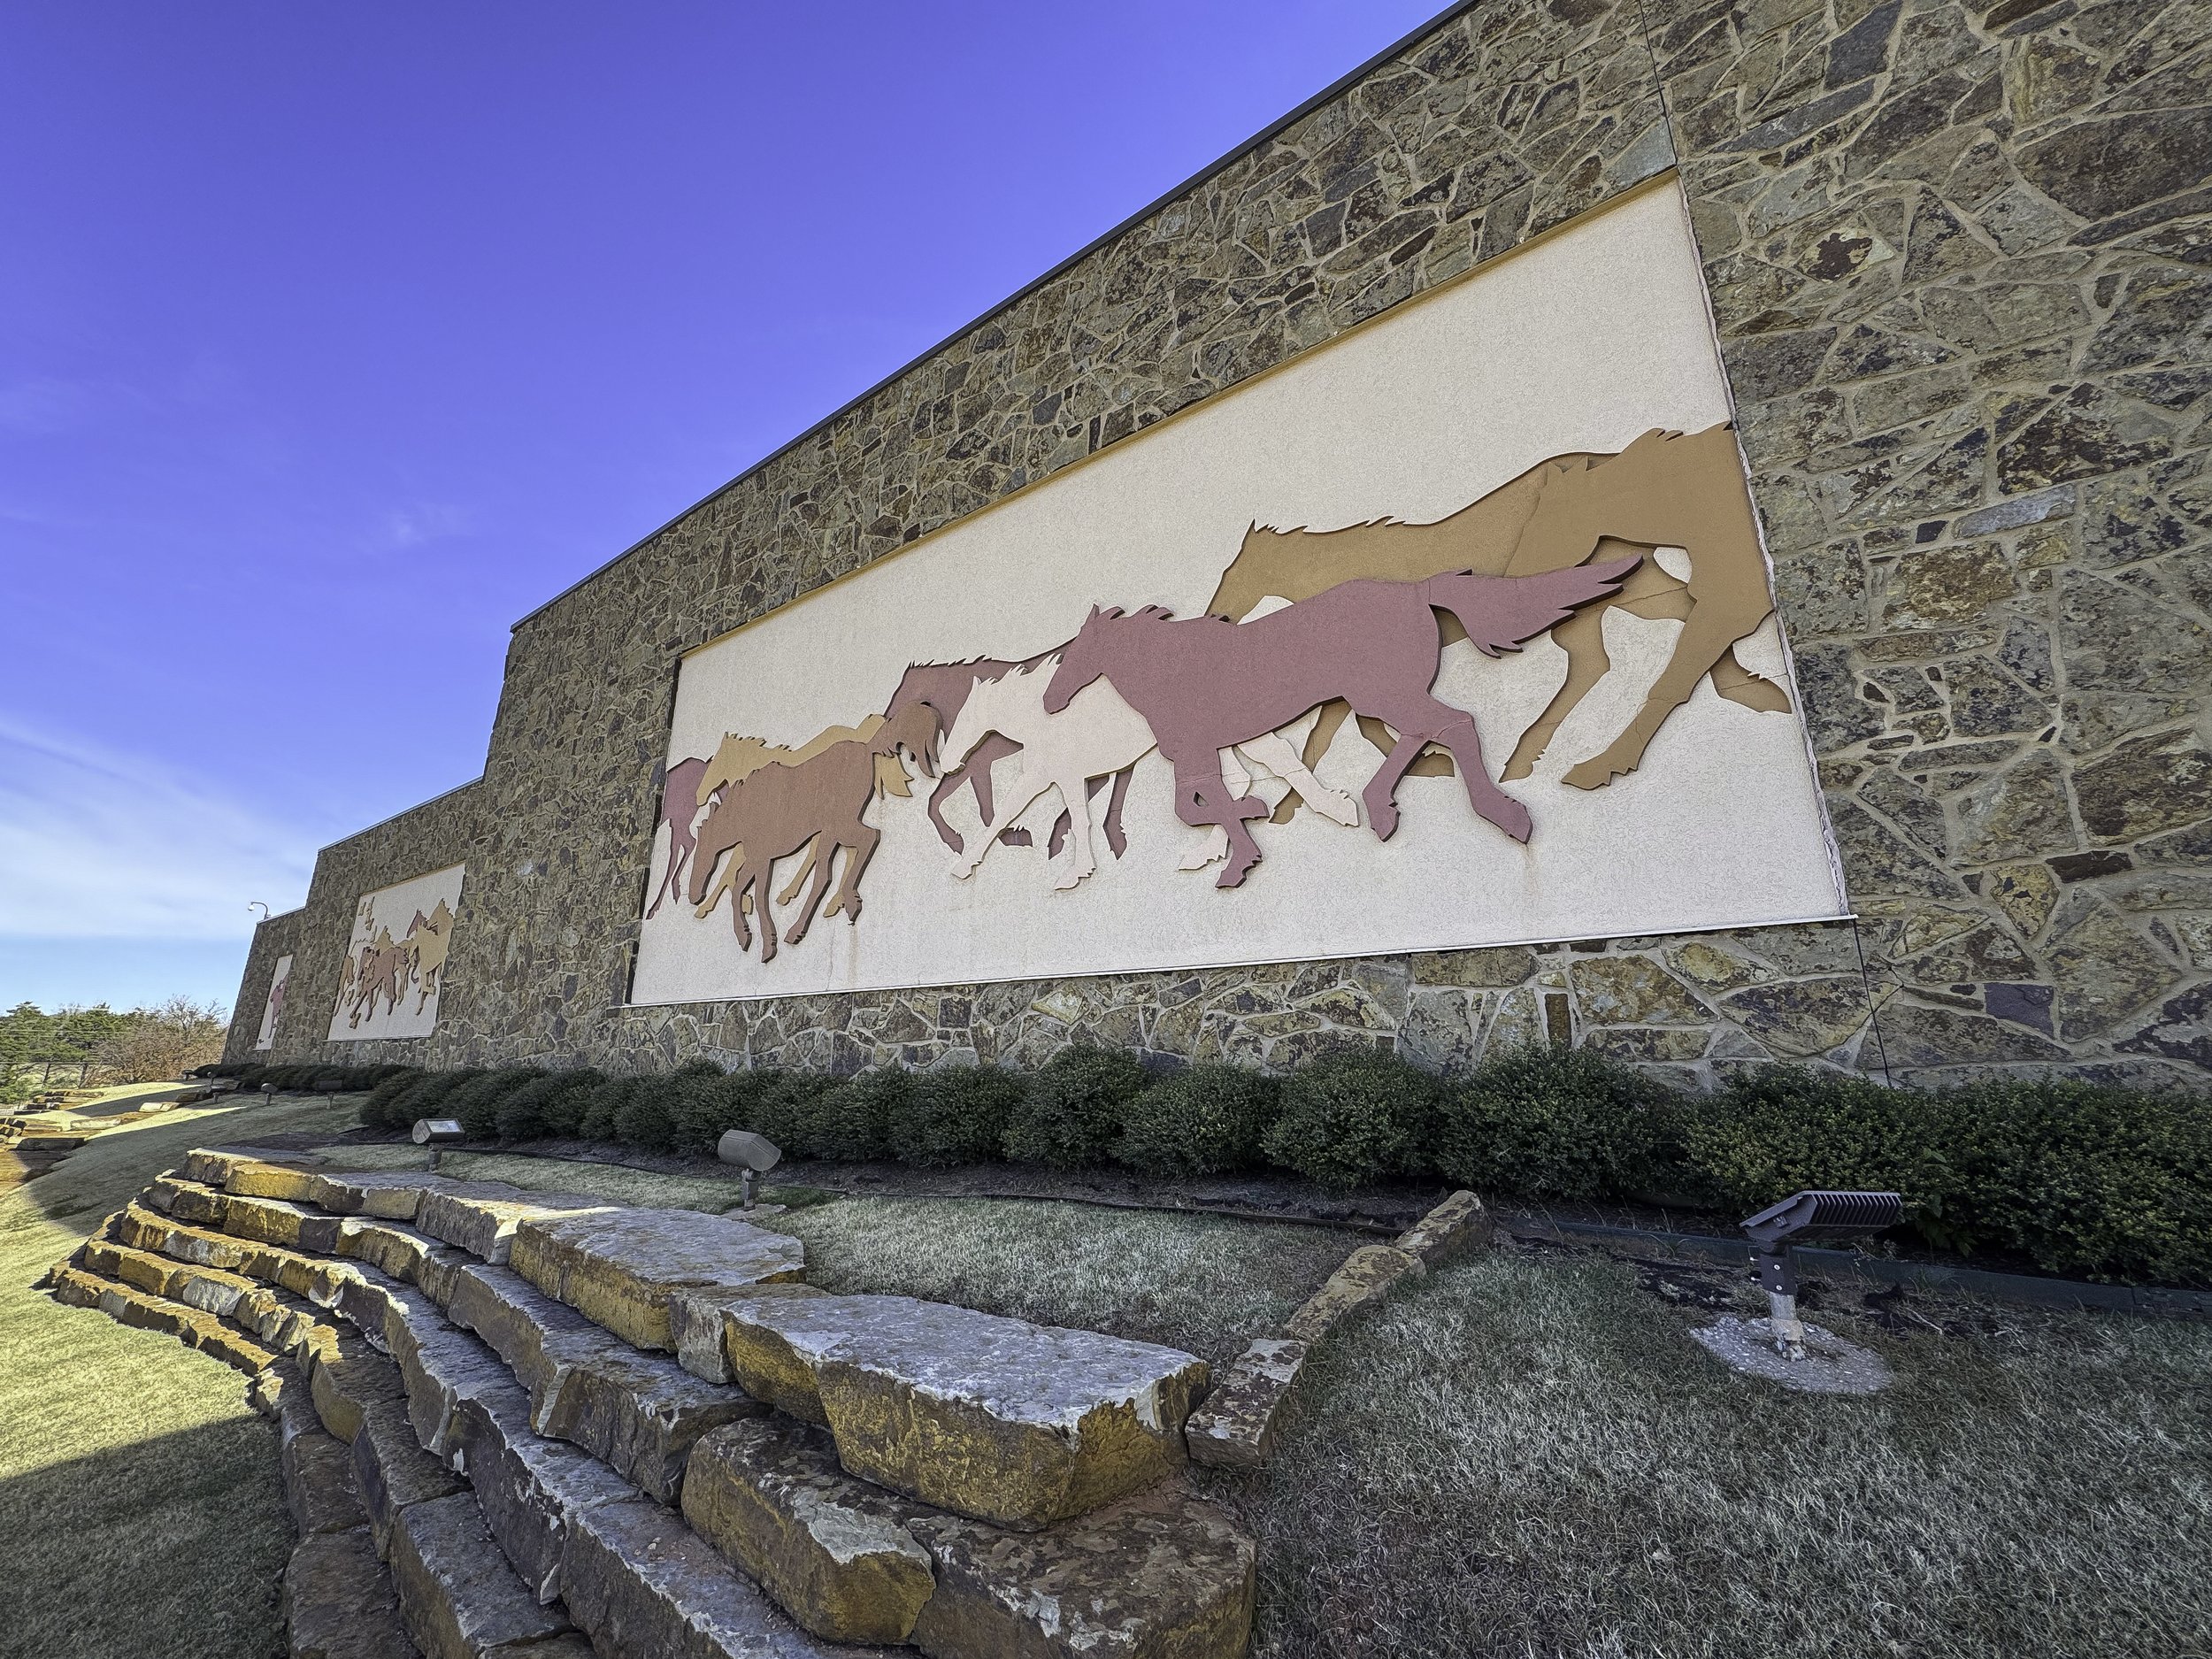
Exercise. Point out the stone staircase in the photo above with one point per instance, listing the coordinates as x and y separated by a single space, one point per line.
531 1425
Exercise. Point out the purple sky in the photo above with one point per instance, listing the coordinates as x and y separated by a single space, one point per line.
333 338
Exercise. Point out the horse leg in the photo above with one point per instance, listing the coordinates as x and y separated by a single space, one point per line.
1275 752
1428 720
1215 848
1116 838
1325 727
1752 691
859 842
1711 630
1013 801
805 917
1199 785
1582 636
806 868
1075 795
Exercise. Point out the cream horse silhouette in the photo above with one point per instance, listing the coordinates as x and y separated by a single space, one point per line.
1098 734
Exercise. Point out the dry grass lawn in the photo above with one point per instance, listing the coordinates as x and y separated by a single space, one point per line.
139 1507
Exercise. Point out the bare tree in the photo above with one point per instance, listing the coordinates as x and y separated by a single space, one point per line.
166 1041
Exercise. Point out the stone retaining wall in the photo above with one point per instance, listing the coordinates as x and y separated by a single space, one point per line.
1956 257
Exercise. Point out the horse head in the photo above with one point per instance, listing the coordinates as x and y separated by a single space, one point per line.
914 728
1251 574
1082 659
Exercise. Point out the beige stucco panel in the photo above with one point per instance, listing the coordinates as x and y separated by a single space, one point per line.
1582 341
390 910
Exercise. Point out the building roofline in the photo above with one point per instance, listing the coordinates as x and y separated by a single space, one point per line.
1328 95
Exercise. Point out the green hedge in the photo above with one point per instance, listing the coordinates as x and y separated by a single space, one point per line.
2079 1179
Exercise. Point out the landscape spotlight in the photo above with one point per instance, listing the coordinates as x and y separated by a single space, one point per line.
429 1132
1776 1230
756 1155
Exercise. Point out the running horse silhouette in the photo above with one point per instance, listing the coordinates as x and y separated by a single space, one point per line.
1207 684
814 805
947 687
1664 490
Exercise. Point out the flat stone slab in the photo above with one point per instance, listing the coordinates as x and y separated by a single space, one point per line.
696 1319
638 1413
641 1582
1164 1576
1238 1425
620 1268
404 1252
1452 1227
391 1471
481 1217
320 1489
834 1552
459 1597
1831 1365
996 1418
340 1603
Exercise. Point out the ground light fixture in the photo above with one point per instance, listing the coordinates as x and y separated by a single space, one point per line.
754 1155
432 1132
1776 1231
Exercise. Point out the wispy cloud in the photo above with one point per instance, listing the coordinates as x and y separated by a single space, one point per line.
98 843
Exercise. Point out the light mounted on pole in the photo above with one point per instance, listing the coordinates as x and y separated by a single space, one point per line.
1776 1230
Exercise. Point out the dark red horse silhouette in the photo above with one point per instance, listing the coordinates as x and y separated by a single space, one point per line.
679 804
1205 683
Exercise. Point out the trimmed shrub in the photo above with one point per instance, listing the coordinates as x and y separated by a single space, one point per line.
2082 1179
1354 1117
475 1106
1198 1121
955 1115
377 1110
552 1107
430 1091
602 1107
1779 1129
1071 1113
1542 1121
852 1122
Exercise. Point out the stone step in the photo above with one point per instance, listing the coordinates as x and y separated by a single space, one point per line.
262 1220
620 1268
483 1219
79 1288
995 1418
638 1413
834 1552
405 1253
313 1276
1162 1573
459 1597
340 1601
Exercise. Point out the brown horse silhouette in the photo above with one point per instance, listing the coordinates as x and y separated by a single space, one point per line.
1664 490
813 804
1206 684
946 687
679 804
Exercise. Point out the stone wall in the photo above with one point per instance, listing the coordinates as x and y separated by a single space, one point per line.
1957 260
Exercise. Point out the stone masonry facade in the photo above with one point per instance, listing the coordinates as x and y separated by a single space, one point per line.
1960 259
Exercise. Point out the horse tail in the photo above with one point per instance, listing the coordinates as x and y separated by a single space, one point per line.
1500 612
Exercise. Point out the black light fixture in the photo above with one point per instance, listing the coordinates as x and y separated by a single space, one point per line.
430 1132
755 1155
1776 1230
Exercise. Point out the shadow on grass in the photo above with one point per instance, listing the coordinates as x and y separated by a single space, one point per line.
171 1546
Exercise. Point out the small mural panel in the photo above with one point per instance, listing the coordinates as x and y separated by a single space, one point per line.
1455 632
395 964
273 1009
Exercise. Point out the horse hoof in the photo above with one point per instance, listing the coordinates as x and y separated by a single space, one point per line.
1513 818
1384 821
1593 774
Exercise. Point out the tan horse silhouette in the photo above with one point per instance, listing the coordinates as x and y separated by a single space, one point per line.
774 811
424 951
1664 490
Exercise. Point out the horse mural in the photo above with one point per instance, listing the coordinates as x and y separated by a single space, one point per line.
814 805
1665 490
1206 684
679 812
381 971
